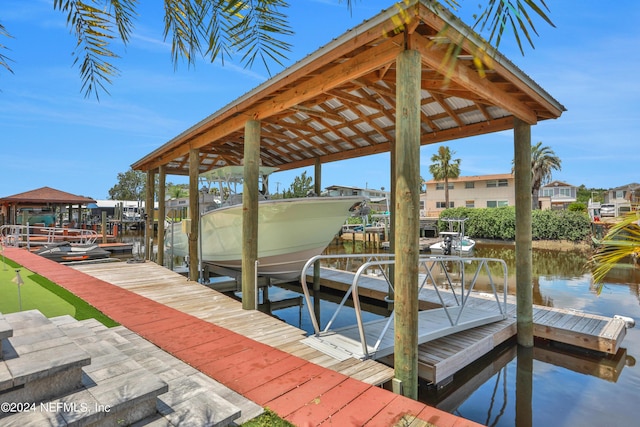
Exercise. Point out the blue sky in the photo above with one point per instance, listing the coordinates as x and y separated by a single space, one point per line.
53 136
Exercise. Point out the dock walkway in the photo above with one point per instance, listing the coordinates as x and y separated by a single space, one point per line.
198 325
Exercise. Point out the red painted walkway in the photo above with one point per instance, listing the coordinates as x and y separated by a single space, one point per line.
301 392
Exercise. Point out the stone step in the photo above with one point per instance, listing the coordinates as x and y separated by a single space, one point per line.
129 381
193 398
119 400
6 331
113 389
39 361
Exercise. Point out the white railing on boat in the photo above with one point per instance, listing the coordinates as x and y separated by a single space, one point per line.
446 280
29 235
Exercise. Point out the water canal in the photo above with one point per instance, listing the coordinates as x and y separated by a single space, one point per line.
549 386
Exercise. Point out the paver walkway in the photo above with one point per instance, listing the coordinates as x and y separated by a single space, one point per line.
301 392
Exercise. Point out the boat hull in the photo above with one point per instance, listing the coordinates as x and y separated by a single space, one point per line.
66 252
290 231
466 249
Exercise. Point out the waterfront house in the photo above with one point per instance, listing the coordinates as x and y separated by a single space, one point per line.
557 195
624 198
378 199
478 191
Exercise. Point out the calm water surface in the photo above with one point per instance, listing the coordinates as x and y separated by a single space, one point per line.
548 386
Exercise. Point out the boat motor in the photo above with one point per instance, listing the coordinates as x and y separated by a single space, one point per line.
447 245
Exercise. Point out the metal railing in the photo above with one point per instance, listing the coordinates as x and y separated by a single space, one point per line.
444 274
27 235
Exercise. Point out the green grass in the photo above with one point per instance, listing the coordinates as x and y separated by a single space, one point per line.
40 293
267 419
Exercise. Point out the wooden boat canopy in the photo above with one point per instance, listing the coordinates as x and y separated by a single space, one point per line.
340 102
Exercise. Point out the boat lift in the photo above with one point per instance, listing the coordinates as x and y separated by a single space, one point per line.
460 310
28 235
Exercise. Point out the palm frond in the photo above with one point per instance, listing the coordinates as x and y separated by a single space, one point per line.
4 60
124 11
499 15
183 21
617 248
93 30
220 28
255 30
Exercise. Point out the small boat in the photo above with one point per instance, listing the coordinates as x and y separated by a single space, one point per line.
290 231
67 252
454 241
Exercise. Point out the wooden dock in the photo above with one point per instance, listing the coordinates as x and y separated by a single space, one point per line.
432 324
174 290
439 359
289 379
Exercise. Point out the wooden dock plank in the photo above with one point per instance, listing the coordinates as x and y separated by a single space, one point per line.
558 324
175 291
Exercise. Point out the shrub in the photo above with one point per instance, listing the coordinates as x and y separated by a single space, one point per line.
577 207
500 223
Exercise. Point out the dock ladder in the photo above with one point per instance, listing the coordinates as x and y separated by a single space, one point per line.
447 281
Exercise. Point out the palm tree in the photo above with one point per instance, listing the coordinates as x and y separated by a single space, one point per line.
218 28
619 248
443 168
177 191
543 161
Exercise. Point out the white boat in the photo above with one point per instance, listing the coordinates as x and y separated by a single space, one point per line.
454 241
290 231
66 252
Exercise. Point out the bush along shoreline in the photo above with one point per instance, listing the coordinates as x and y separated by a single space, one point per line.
500 224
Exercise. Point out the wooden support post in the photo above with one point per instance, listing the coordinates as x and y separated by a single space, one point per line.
317 188
162 212
148 210
524 259
524 387
392 215
104 226
194 214
250 213
407 220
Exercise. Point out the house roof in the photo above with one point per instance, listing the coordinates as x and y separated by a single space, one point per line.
347 187
557 184
340 102
631 187
474 178
47 195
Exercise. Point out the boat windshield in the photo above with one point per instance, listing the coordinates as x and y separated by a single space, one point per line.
227 179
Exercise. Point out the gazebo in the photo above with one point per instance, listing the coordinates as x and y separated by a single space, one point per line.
412 75
45 199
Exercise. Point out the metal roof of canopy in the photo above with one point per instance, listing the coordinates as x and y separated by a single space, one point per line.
339 102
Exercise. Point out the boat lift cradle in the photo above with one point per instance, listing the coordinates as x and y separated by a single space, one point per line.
459 310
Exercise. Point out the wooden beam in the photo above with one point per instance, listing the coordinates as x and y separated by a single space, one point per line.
524 258
434 57
436 22
149 212
407 221
194 214
162 212
250 214
333 77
